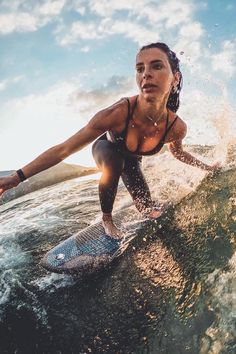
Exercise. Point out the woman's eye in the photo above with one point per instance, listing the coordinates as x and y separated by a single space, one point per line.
157 66
139 70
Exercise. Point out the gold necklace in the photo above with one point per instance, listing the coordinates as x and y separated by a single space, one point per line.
152 120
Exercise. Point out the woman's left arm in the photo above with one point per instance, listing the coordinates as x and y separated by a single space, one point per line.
176 148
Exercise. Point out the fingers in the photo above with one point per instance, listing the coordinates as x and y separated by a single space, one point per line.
217 165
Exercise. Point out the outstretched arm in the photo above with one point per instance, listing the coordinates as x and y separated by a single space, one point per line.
176 148
104 120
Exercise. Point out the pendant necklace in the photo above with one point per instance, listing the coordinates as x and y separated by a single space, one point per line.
152 120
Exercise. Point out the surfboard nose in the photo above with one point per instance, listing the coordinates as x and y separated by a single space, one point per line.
78 257
79 266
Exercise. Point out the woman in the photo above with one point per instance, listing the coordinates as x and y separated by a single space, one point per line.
126 131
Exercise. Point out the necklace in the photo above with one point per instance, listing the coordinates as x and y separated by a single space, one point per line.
152 120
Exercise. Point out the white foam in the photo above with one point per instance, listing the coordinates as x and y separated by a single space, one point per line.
222 286
53 281
5 290
9 286
167 183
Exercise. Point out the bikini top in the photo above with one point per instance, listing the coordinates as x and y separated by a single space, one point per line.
120 138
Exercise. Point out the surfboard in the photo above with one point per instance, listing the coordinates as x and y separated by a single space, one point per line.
91 249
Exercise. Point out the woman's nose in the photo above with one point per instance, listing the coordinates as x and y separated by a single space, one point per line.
146 73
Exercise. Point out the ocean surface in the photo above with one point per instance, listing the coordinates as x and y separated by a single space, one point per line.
173 291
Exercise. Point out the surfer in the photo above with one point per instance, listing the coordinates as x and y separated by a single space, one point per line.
126 131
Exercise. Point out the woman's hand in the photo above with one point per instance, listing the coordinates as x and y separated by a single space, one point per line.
216 167
8 183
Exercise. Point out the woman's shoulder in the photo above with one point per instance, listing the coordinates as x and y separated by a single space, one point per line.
120 109
122 105
180 127
114 116
116 108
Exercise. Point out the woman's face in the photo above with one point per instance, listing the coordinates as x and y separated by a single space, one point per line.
154 76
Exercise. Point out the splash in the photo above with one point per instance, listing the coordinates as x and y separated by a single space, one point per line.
221 285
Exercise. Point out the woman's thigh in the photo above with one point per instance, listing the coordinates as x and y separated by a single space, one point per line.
135 181
106 155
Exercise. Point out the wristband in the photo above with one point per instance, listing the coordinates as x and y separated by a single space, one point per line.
21 175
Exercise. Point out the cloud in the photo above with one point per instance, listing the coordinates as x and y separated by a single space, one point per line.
87 103
135 31
145 20
12 5
93 30
225 61
107 9
8 82
51 8
80 30
20 22
85 49
172 13
27 17
193 30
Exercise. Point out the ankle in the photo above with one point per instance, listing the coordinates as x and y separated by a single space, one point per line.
106 217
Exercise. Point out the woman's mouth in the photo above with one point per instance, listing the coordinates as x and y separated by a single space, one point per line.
148 87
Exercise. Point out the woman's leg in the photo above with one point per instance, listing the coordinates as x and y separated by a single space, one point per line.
111 163
137 186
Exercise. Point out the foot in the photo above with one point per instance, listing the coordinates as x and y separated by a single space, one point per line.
111 229
155 212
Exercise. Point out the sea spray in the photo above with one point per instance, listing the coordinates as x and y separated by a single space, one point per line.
221 289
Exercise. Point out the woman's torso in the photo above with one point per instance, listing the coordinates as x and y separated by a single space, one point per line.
139 139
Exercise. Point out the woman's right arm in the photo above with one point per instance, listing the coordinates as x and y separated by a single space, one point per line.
107 119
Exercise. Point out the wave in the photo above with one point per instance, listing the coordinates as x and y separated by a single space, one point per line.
167 279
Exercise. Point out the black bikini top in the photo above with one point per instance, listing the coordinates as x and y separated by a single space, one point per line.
120 138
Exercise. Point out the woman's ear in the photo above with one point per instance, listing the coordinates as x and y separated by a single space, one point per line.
177 77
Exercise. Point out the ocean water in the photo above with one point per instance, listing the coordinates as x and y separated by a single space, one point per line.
173 291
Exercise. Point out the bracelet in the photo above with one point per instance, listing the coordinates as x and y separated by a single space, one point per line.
21 175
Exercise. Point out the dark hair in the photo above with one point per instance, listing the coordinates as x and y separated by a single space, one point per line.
173 100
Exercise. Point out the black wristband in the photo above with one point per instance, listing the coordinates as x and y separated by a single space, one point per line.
21 175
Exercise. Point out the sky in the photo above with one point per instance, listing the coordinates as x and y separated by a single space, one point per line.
62 61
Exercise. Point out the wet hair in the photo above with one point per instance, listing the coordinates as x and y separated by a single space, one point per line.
173 100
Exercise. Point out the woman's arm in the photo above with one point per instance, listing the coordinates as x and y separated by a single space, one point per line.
176 148
177 151
110 118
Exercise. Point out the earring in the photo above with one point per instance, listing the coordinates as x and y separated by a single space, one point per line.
173 90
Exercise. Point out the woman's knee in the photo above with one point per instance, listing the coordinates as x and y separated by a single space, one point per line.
106 156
